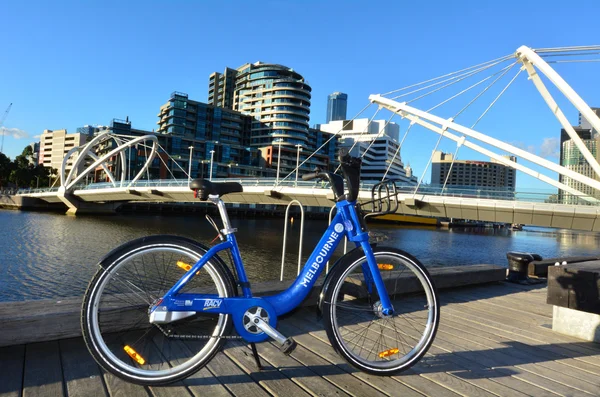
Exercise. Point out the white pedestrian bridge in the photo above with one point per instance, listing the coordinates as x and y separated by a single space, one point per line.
529 208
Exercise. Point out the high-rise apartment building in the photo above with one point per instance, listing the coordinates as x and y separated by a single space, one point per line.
337 104
572 159
278 100
54 146
481 174
376 142
221 88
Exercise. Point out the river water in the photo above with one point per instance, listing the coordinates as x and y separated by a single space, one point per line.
46 255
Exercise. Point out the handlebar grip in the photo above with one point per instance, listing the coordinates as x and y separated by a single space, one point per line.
344 155
308 177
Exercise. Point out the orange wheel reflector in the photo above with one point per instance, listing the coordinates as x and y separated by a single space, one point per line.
184 265
385 266
133 354
388 353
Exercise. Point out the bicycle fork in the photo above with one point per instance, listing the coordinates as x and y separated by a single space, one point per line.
372 277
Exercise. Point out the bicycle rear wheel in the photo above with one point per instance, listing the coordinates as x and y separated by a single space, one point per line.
115 312
359 332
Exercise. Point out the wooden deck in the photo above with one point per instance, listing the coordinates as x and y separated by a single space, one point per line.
493 339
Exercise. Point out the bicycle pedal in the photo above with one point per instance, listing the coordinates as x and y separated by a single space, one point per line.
289 345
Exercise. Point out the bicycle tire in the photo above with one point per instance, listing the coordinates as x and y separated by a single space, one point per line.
355 326
115 311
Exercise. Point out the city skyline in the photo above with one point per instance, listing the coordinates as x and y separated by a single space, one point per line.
80 82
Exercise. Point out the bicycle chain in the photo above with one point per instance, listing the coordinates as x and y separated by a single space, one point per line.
171 336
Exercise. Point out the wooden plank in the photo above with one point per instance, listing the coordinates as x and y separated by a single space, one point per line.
82 375
204 383
201 383
445 380
441 357
547 351
586 351
234 378
521 302
304 322
322 364
411 380
303 376
118 387
498 359
521 353
11 370
43 373
270 378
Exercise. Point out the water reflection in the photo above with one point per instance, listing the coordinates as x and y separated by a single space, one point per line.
51 255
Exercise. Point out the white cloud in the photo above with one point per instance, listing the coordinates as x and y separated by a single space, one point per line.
14 132
550 147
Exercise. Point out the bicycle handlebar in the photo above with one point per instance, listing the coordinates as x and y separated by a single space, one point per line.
351 170
314 175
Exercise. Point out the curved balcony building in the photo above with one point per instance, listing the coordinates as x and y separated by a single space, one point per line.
278 99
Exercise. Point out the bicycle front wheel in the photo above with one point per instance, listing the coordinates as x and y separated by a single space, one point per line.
115 313
360 332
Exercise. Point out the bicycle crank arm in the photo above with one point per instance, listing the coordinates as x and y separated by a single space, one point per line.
286 345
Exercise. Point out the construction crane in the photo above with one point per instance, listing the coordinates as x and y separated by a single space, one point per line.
1 123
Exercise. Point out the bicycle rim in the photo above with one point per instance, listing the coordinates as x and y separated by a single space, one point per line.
370 340
118 315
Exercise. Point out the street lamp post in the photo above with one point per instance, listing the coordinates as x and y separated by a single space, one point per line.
278 161
190 165
212 153
299 148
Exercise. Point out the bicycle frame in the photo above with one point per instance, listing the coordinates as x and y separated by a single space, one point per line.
347 222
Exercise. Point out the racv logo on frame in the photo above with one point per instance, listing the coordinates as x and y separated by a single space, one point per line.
212 304
314 267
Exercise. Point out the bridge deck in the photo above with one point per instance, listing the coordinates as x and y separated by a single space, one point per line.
493 340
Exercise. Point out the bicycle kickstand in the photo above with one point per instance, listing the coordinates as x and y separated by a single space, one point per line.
256 356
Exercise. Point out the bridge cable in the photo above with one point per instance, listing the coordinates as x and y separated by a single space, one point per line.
454 158
569 54
374 139
429 162
357 140
496 99
503 71
575 61
449 74
397 150
453 81
333 135
567 49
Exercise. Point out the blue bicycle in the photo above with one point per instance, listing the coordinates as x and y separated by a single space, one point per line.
160 307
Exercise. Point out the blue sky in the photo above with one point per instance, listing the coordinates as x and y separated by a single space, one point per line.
64 64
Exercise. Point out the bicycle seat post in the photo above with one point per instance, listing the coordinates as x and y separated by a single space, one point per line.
227 229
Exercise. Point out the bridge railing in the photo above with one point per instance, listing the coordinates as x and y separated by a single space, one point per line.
469 192
36 190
